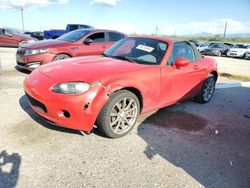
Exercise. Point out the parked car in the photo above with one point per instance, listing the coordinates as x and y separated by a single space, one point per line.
238 50
247 55
80 42
217 49
136 75
55 33
202 46
35 34
195 42
14 37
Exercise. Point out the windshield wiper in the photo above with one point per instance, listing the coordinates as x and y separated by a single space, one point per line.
105 55
126 58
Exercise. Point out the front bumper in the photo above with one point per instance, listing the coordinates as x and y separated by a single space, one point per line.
33 61
77 112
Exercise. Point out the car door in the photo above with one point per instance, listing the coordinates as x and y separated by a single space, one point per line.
180 83
97 46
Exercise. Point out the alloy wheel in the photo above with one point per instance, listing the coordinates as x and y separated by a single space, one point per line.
209 89
123 115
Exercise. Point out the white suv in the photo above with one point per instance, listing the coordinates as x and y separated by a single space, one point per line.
238 50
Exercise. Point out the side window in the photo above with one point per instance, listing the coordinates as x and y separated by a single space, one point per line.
97 37
113 37
182 49
2 32
73 27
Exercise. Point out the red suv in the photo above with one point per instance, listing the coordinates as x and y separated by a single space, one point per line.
80 42
13 37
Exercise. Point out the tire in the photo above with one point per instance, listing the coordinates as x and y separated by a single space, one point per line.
22 42
61 56
207 90
119 115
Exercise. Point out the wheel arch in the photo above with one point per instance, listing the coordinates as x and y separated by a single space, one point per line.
133 90
215 74
62 53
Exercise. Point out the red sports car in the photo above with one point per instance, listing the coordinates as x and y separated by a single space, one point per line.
136 75
79 42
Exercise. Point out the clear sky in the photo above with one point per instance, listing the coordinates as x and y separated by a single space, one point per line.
131 16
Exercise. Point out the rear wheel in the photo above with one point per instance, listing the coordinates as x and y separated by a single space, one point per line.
119 115
61 56
207 90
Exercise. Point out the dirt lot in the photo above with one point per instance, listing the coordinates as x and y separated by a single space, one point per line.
185 145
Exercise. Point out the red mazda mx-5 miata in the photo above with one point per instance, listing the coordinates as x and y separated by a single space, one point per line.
135 75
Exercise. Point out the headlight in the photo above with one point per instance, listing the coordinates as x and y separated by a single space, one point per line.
71 87
33 52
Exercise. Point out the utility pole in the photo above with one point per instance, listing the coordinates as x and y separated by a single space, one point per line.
156 30
21 9
225 30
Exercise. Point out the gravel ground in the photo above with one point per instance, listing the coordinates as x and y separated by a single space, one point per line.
233 66
185 145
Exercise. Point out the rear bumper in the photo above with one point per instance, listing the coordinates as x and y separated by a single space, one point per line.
235 54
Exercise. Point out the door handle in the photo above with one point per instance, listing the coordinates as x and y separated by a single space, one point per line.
196 67
104 46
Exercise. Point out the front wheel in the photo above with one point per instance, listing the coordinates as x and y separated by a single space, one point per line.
61 56
207 90
21 43
119 115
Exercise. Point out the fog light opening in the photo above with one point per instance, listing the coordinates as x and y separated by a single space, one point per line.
34 65
66 114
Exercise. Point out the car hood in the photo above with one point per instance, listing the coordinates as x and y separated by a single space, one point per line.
88 69
45 44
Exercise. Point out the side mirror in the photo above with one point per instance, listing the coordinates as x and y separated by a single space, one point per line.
9 35
87 41
181 62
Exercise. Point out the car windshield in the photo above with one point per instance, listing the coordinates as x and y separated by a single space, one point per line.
138 50
16 32
203 45
240 46
73 35
214 46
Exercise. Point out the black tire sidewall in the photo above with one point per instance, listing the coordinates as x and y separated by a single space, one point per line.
203 87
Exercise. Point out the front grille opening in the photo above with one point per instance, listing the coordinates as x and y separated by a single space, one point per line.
40 106
21 51
21 64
